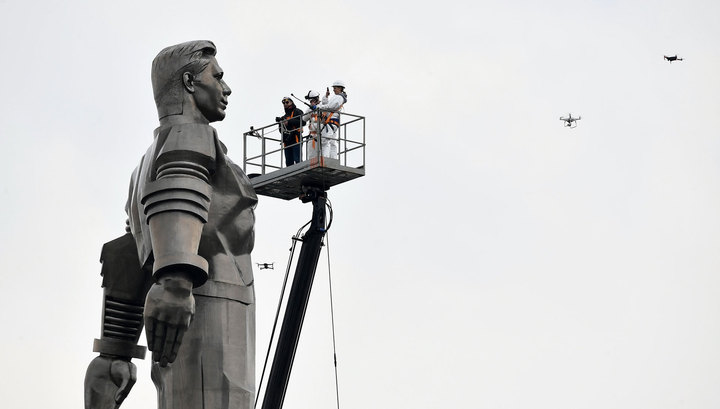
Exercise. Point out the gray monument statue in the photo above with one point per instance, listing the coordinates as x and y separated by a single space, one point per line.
184 268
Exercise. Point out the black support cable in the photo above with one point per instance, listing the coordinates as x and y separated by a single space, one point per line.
332 319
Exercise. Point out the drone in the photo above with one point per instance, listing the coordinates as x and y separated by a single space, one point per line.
672 58
266 266
570 122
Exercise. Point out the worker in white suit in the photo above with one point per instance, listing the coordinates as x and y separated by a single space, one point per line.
324 119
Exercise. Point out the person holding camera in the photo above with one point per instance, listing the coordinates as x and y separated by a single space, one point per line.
291 127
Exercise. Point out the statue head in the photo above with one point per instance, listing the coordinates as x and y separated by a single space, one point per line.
187 76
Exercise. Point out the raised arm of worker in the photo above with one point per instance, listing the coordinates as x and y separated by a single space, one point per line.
332 103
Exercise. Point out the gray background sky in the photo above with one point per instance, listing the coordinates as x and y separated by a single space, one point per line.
490 258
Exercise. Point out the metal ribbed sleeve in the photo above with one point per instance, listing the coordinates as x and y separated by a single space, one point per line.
177 192
179 188
122 325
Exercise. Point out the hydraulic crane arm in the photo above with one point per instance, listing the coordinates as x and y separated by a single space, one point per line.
297 301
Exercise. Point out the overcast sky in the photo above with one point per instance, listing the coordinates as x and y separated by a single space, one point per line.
491 258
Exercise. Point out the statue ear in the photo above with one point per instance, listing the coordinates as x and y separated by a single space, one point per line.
188 80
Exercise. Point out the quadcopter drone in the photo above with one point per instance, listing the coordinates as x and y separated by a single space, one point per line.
570 122
266 266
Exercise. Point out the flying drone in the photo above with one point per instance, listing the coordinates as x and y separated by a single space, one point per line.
266 266
570 122
672 58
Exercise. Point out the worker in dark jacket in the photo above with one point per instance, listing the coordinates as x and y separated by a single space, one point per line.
291 126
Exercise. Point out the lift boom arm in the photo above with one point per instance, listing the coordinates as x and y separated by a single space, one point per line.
297 302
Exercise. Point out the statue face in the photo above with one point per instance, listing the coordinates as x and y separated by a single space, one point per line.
211 92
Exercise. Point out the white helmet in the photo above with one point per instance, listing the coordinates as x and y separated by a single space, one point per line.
338 83
312 94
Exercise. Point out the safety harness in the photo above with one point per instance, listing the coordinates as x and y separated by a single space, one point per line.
287 121
328 118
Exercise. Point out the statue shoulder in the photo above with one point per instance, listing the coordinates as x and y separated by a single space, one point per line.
195 143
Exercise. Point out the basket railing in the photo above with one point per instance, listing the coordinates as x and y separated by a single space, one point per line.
263 147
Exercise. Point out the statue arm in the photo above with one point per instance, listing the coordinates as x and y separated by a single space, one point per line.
177 203
111 375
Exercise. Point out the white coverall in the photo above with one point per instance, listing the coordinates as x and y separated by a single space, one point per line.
325 123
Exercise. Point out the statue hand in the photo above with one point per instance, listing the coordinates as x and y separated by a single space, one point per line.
169 308
108 382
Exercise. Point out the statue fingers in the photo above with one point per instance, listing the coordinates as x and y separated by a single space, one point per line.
158 341
128 374
170 336
150 325
170 348
176 344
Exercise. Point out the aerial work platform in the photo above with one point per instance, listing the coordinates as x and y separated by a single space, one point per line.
263 160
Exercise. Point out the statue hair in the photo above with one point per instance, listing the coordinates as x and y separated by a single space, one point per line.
167 73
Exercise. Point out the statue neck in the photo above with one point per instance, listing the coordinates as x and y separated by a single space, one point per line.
183 119
190 114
